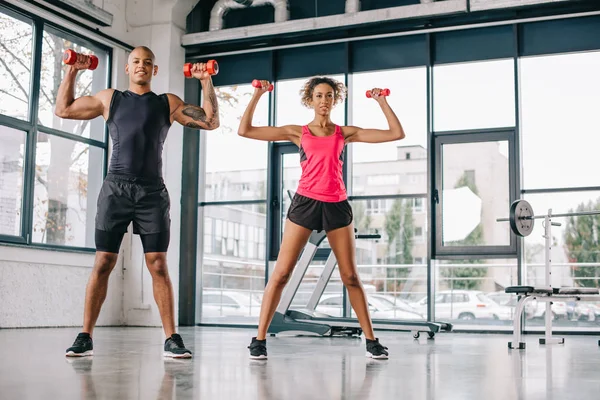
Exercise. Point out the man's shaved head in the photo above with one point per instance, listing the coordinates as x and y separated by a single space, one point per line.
141 52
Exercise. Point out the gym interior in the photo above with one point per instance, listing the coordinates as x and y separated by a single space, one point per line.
477 235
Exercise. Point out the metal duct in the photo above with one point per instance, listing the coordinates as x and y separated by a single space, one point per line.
223 6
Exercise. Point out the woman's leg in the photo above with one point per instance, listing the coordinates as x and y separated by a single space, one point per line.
294 240
342 244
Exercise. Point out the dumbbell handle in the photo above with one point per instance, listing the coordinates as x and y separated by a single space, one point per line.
70 58
257 84
212 67
383 92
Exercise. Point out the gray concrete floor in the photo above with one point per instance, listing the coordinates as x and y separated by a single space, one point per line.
128 364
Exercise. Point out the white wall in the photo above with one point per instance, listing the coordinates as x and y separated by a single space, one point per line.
40 288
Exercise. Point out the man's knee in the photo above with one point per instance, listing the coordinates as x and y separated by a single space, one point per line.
105 262
157 265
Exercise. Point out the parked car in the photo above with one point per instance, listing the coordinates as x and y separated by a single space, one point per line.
465 305
510 300
225 303
559 309
396 302
332 304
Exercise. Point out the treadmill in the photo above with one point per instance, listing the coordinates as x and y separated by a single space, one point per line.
307 321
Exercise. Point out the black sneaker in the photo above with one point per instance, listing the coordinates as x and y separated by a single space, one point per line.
82 346
174 347
258 349
376 350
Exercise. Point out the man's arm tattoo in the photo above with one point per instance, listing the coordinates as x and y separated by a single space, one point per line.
194 112
193 125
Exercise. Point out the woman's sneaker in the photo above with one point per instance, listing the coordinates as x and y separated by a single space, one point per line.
258 349
175 348
376 350
83 346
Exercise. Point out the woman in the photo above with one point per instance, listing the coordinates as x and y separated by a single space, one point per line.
320 202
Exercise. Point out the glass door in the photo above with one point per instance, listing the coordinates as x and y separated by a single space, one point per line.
474 185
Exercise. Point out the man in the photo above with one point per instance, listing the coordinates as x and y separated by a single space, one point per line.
134 191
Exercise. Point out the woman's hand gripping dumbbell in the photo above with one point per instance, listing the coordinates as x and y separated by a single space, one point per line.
80 61
201 70
377 93
262 86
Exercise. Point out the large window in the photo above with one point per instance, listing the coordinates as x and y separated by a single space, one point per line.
560 102
560 97
12 152
234 228
397 167
474 95
388 264
473 144
236 167
468 292
52 168
15 66
575 255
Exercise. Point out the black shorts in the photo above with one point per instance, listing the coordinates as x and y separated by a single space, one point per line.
319 215
124 199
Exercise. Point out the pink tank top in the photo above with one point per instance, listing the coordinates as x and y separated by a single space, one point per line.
322 158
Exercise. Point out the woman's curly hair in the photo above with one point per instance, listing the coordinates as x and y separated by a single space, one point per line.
306 93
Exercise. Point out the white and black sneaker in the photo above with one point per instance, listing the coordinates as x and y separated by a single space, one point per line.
376 350
175 348
82 346
258 349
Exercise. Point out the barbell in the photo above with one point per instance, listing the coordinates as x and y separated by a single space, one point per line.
521 217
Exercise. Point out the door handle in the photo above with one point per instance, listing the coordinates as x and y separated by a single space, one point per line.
436 196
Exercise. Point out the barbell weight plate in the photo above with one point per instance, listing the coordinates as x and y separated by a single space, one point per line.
518 210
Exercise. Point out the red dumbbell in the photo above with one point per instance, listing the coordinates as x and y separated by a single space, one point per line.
257 84
383 92
70 58
212 67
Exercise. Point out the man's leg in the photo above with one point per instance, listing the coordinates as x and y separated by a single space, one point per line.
155 249
96 289
163 290
107 251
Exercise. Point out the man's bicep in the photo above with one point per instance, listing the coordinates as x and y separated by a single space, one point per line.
85 107
194 112
192 116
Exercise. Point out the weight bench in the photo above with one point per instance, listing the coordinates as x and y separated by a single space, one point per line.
547 295
521 221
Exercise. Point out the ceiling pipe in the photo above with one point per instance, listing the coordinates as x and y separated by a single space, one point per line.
221 8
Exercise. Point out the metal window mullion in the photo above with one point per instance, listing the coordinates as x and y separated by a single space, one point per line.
560 190
12 239
518 153
269 217
30 151
431 182
106 132
230 202
15 123
70 136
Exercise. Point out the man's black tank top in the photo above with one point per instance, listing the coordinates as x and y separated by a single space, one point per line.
138 126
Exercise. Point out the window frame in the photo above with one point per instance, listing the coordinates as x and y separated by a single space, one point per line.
31 127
